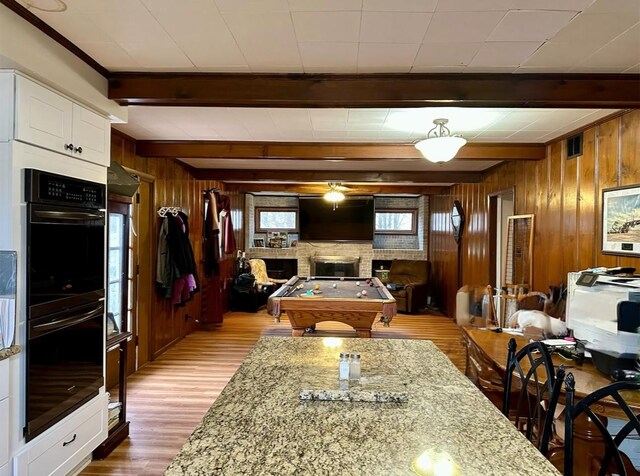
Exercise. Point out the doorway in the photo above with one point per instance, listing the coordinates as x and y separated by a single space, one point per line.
501 206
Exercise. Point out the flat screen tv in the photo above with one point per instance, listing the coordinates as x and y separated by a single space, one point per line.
352 220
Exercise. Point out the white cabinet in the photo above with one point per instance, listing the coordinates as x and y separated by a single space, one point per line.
4 414
66 445
47 119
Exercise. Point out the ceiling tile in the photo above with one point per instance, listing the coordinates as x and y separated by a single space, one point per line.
633 69
195 34
96 6
530 25
632 7
617 55
329 55
560 55
399 5
594 29
473 5
461 27
253 6
368 116
134 26
490 69
250 32
326 26
109 55
376 57
526 136
438 69
446 54
504 53
393 27
157 54
325 5
76 26
570 5
296 119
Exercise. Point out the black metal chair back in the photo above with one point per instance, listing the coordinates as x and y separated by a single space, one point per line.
612 454
532 407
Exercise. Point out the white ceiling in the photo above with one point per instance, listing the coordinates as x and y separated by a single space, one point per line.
353 36
352 125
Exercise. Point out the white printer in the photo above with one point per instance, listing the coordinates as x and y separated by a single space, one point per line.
592 311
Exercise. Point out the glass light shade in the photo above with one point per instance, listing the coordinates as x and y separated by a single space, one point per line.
334 196
440 149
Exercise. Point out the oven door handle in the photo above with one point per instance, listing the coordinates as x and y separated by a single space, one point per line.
72 216
54 325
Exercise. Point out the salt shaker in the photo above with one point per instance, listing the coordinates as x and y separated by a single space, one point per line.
343 368
354 367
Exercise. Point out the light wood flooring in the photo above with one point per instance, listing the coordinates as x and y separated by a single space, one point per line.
168 397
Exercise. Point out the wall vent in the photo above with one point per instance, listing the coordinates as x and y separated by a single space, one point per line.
574 146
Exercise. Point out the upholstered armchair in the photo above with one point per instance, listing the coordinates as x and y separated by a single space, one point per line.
263 282
412 284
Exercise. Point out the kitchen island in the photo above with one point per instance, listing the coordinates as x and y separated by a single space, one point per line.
259 425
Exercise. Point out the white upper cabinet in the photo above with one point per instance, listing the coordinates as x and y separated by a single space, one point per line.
90 136
47 119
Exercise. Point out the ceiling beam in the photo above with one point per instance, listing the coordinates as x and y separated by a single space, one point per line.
321 188
376 90
252 175
327 150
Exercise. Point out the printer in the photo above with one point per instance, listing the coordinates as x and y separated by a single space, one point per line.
604 310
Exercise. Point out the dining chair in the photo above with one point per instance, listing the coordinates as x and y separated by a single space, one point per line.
599 426
532 404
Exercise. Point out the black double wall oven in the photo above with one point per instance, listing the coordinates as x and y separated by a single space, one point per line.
65 296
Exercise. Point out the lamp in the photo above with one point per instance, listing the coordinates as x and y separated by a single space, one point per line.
334 195
440 145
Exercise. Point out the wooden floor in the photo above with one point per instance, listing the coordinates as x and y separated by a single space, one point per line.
167 398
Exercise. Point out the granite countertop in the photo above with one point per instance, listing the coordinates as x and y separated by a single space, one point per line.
9 351
259 425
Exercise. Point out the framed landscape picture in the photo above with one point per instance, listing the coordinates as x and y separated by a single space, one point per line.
621 221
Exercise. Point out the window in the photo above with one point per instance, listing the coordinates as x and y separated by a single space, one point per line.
276 219
396 222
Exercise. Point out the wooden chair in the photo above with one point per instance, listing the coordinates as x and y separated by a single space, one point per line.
582 416
532 406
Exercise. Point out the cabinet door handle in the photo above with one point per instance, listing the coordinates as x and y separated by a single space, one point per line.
78 150
67 443
68 147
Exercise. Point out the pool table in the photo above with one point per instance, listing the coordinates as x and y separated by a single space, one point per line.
308 301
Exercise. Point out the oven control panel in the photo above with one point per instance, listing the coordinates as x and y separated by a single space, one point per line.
45 187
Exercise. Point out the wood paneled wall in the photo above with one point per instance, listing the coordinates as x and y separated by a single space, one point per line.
565 196
174 185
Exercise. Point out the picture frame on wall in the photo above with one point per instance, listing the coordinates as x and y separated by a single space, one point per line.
621 221
258 242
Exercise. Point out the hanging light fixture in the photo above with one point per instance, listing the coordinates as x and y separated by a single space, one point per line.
334 195
440 145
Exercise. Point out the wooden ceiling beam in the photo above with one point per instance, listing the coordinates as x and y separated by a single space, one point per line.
321 188
617 91
253 175
327 150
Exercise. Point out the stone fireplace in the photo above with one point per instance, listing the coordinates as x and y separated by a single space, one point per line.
339 266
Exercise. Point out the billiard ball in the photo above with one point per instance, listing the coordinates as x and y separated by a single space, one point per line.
357 283
334 285
368 281
364 292
358 295
316 287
